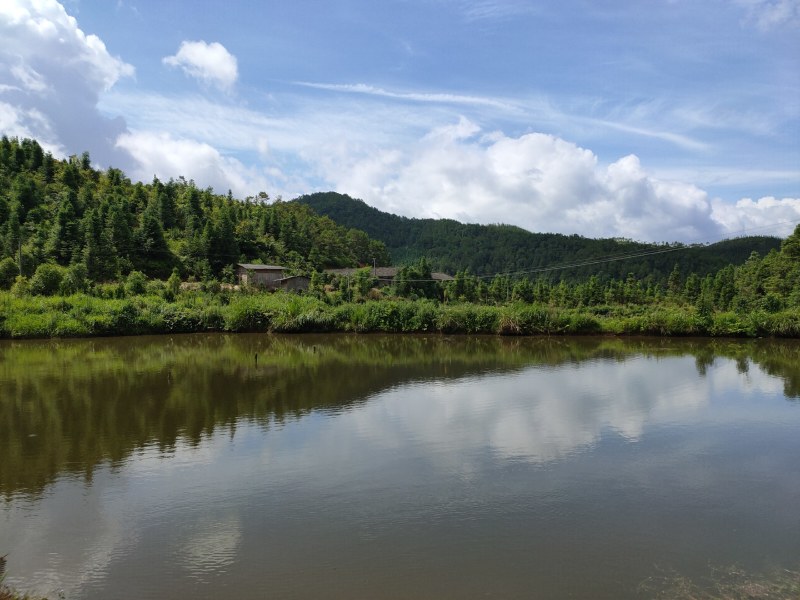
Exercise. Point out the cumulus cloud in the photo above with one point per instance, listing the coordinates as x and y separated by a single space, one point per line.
164 156
757 216
210 63
543 183
51 77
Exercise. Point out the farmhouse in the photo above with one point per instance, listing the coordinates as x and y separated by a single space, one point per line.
260 275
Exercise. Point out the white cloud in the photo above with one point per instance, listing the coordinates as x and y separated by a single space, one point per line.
210 63
401 159
30 79
769 14
42 32
543 183
167 157
482 10
51 76
369 90
388 147
758 217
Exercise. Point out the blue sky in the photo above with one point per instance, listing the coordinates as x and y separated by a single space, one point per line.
654 120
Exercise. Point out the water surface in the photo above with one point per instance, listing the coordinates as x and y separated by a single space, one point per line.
255 466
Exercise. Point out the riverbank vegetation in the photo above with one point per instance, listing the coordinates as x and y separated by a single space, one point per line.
89 253
79 315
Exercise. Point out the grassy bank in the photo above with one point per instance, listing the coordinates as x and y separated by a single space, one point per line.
82 315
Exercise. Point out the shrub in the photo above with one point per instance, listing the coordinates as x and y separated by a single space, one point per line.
174 283
246 314
727 324
74 280
8 272
21 287
136 283
583 323
47 279
212 286
468 318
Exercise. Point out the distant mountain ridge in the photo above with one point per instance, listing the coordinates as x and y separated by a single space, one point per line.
486 250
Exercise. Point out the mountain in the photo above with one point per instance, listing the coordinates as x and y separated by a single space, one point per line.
451 246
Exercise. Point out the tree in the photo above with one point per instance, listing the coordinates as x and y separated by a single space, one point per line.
691 290
65 239
152 253
220 240
674 282
363 282
523 290
99 254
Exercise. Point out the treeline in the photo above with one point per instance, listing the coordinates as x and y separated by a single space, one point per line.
770 283
101 226
484 250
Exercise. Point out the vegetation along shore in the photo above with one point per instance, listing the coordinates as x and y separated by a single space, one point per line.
89 253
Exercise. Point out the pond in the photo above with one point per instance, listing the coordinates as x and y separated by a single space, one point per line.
252 466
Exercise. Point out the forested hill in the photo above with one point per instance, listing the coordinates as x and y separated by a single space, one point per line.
68 213
451 246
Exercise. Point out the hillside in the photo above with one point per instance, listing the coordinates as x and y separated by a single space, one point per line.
102 226
451 246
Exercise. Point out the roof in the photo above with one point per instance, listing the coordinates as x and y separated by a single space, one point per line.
385 273
442 277
252 267
389 272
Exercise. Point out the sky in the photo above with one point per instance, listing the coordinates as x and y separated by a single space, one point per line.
653 120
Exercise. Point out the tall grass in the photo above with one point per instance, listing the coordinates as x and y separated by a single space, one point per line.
81 315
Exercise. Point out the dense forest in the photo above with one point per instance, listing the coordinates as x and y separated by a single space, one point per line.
484 250
103 226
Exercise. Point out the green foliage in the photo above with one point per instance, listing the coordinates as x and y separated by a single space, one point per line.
65 212
8 272
174 282
135 283
21 286
485 250
75 280
247 313
196 311
46 281
81 232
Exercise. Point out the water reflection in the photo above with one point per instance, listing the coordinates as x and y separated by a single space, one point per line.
69 406
357 466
